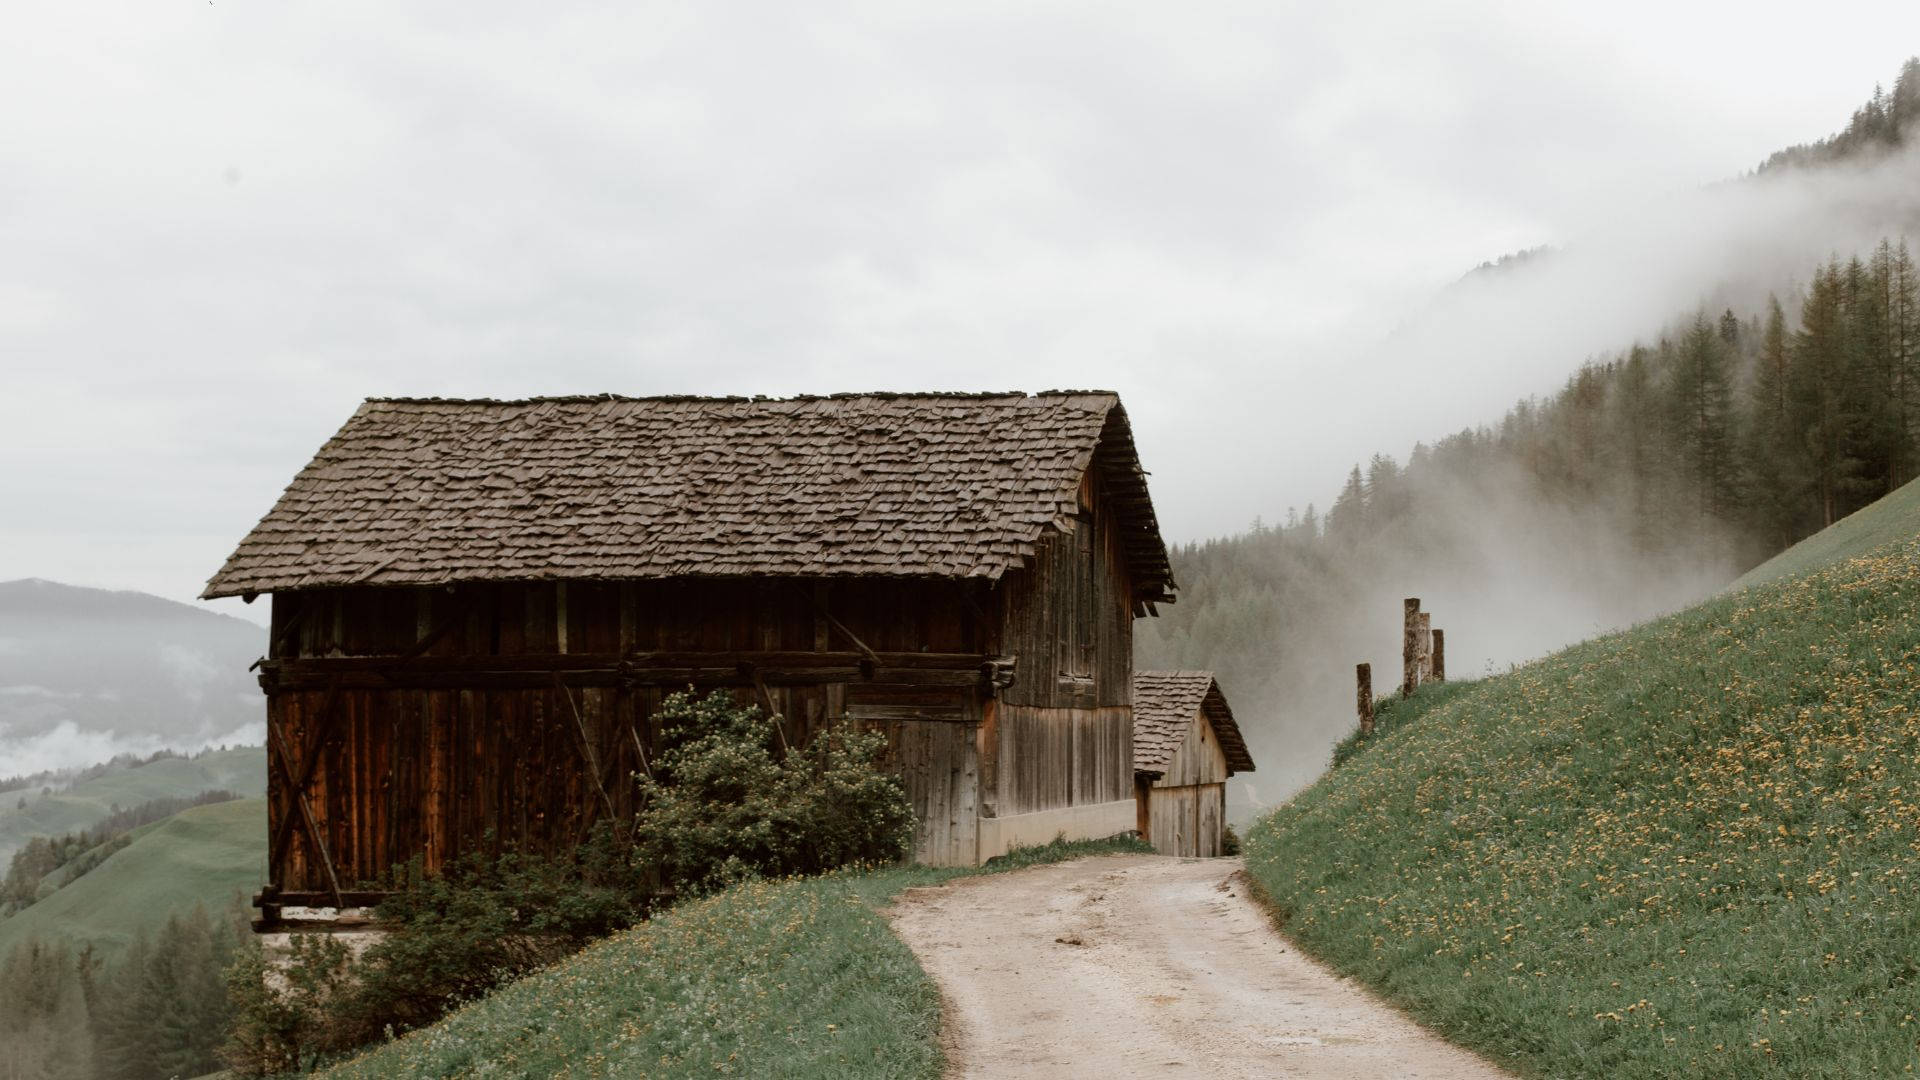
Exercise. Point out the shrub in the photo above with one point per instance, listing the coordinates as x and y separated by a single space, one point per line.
723 804
482 922
282 1018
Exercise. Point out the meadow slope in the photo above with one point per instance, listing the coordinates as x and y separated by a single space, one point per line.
798 978
205 855
1889 520
1689 848
241 770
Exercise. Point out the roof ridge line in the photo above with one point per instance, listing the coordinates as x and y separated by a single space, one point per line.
851 395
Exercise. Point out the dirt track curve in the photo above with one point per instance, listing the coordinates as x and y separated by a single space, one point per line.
1142 965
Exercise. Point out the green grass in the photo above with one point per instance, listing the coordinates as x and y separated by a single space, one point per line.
800 978
242 770
200 856
1889 520
1688 849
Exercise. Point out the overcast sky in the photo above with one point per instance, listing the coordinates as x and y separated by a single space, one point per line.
221 225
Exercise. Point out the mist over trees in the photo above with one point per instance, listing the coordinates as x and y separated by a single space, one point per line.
1653 476
1883 124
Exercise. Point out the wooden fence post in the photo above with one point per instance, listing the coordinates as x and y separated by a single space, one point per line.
1423 639
1439 656
1363 697
1410 649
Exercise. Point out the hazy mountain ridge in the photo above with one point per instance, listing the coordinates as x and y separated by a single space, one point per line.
89 673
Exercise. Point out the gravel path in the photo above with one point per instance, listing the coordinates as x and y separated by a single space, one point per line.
1143 965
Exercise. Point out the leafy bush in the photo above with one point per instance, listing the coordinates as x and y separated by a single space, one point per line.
283 1019
722 804
481 923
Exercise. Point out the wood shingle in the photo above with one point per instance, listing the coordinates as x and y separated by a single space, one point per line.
1164 706
421 492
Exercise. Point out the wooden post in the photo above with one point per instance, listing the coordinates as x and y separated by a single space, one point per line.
1423 639
1363 697
1410 650
1439 656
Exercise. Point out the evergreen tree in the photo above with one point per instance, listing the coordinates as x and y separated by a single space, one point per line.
1903 346
43 1015
1347 519
122 1033
1820 372
1776 458
1635 437
1701 396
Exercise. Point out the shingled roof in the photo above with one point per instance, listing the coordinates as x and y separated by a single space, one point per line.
1165 703
434 491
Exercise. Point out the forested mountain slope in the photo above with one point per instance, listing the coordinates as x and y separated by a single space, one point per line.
208 855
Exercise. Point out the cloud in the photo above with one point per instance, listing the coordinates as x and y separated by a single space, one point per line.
68 746
228 224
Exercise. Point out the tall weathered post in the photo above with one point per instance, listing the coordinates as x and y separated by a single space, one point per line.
1439 673
1423 638
1410 649
1363 697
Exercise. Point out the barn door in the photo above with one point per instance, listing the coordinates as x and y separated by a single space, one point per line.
940 764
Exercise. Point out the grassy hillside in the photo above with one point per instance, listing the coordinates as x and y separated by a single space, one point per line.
203 855
796 979
1692 848
1889 520
242 770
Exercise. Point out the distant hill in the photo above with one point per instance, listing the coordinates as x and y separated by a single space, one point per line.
241 769
205 855
1881 126
88 673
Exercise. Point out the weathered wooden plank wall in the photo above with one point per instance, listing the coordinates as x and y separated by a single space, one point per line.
1063 732
1051 758
1069 619
394 772
1187 821
714 615
417 748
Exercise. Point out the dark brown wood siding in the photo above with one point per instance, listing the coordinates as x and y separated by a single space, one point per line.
423 723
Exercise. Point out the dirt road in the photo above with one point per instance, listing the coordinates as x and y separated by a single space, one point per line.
1140 965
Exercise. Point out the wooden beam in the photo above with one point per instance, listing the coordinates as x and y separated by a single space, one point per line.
306 814
316 741
1410 648
639 661
1363 697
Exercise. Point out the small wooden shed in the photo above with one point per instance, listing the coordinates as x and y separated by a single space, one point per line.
1185 745
478 606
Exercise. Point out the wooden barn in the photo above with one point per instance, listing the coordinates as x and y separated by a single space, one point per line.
478 605
1185 745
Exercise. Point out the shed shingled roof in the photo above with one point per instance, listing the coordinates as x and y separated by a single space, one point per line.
1165 703
433 491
